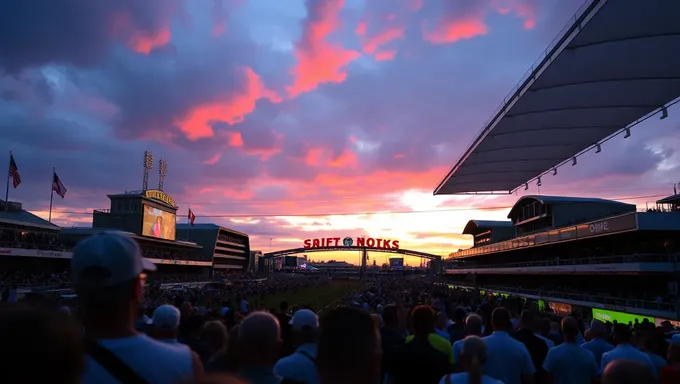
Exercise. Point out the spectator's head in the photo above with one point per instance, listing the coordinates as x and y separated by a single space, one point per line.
165 322
349 347
528 319
283 306
473 325
50 341
390 316
622 334
259 339
459 315
108 272
305 326
215 336
440 321
423 318
622 371
673 353
597 328
501 320
473 357
570 330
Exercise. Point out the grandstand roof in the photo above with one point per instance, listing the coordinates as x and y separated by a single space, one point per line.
557 200
473 226
22 217
613 67
675 199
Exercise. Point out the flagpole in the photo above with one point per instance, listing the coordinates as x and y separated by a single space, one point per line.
188 221
49 218
7 188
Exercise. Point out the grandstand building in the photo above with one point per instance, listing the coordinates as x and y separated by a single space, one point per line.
226 248
582 253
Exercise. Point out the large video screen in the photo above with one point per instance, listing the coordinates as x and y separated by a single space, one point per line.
157 223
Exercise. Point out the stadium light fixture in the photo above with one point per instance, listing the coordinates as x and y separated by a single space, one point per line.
664 113
538 182
526 186
148 160
627 135
554 171
599 148
573 161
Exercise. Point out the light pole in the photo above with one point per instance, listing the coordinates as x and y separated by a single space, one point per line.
270 244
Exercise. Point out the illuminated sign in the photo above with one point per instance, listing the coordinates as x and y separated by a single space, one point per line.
160 196
367 242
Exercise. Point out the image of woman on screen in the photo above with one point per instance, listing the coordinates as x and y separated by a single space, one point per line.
157 229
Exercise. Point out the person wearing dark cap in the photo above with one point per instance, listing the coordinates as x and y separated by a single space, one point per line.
109 273
625 350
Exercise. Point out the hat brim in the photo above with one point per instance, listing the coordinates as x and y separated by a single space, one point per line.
147 265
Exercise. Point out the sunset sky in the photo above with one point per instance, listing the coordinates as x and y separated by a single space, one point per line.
289 119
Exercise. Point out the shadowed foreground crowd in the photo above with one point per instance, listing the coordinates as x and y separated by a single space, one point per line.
392 331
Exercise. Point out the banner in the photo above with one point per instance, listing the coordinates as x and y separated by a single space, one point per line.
20 252
615 224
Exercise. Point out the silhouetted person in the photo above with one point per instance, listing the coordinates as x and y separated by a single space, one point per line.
49 341
259 346
348 348
622 371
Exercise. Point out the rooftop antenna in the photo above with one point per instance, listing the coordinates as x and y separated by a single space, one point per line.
148 164
162 171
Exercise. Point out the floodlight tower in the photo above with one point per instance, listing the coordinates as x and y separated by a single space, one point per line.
162 171
148 164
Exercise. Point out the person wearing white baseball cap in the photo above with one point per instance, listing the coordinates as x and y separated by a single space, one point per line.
108 273
165 322
301 365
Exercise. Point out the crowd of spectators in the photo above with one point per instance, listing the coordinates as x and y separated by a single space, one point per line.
49 241
124 329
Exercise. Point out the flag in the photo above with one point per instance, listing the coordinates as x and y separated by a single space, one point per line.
58 186
192 217
14 172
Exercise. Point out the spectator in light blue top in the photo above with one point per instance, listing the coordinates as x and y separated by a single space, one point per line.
472 358
598 345
301 365
568 363
624 350
440 326
508 360
165 322
473 327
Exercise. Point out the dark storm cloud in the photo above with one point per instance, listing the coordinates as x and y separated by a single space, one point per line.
76 32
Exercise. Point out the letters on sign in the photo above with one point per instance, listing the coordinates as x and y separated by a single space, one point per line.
368 242
160 196
600 227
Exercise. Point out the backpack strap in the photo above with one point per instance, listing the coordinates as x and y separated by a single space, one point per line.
307 355
112 364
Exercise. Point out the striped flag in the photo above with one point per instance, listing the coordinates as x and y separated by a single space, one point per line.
14 172
58 186
191 217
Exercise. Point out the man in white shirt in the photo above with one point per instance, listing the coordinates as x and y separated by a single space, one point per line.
165 323
598 345
301 365
508 360
568 363
624 350
108 273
